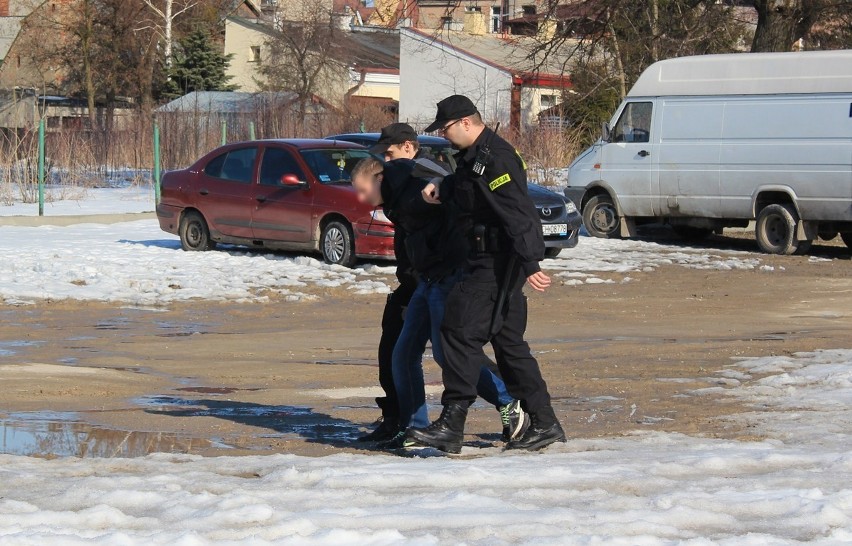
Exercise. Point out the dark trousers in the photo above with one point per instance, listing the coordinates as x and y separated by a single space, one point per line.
465 332
392 322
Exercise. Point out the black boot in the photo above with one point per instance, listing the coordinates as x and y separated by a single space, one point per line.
544 430
382 433
447 433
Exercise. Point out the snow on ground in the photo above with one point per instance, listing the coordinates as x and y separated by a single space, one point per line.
135 262
596 261
648 488
85 201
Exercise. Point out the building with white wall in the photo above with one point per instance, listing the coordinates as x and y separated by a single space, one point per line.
495 72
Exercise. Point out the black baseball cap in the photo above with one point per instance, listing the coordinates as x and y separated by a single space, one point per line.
395 133
452 108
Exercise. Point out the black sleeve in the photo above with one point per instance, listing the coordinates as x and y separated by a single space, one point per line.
505 189
404 272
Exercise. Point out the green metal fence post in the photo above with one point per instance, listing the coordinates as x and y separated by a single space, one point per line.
155 174
224 132
251 130
41 172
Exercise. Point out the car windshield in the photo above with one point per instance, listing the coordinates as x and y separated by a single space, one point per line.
441 153
333 165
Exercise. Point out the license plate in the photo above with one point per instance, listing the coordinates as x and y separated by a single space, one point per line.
554 229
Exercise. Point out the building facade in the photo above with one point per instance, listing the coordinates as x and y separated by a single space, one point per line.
495 73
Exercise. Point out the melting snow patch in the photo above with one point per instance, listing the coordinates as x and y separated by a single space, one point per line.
645 488
137 263
594 256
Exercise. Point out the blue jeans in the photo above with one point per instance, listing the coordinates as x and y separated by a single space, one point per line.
423 322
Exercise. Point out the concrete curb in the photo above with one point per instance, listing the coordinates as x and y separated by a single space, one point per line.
35 221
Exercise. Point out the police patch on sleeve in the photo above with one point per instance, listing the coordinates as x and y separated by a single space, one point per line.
499 181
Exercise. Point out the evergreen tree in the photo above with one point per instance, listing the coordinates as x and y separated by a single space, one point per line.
198 66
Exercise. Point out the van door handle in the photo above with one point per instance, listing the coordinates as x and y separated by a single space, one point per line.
203 192
644 153
261 198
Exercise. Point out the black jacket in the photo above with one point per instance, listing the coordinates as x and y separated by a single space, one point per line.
428 237
499 198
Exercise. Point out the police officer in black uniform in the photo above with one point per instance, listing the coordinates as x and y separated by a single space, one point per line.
489 305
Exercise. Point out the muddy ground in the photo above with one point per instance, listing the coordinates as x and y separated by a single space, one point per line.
297 377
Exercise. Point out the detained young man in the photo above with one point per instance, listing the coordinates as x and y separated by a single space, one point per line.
436 246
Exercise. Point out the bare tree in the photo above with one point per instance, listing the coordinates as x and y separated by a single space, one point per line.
604 45
167 11
781 23
300 55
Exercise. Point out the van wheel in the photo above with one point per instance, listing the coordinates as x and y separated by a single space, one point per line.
776 230
194 233
690 233
601 217
338 244
847 238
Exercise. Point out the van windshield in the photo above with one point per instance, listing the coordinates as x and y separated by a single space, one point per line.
634 125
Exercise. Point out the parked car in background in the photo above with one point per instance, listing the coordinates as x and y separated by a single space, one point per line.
560 219
275 194
436 146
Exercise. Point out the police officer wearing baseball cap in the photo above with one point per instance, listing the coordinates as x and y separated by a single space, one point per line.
489 305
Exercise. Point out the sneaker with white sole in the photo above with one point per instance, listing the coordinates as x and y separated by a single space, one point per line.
515 420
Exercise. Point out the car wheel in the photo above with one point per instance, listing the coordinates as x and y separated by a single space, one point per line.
338 244
552 252
690 233
601 217
194 233
776 230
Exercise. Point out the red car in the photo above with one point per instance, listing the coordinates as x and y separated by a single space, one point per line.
276 194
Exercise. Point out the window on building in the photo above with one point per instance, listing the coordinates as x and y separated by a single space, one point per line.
529 9
254 54
548 101
496 19
473 9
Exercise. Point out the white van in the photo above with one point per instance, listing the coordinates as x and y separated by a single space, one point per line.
703 143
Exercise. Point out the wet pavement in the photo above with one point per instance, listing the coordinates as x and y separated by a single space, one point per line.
65 434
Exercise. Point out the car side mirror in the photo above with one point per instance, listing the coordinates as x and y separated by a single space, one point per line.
291 181
606 132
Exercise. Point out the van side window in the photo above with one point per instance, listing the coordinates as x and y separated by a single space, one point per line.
277 163
634 125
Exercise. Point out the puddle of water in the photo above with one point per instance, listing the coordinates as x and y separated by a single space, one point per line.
8 348
346 362
284 421
54 434
118 323
214 390
180 329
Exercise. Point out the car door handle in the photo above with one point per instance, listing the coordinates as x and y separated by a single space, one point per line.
644 153
261 198
204 192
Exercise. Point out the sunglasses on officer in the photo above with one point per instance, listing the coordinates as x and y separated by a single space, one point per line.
446 128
